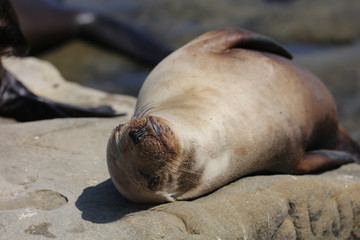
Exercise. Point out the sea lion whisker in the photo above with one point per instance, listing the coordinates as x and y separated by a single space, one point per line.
141 112
175 166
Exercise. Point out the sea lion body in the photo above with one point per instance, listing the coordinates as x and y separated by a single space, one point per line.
213 112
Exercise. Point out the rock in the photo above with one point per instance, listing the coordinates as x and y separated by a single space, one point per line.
54 183
94 67
6 120
45 80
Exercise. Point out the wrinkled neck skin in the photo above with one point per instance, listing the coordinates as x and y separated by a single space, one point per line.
150 159
205 157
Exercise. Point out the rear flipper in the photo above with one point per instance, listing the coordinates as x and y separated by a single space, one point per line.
323 159
347 144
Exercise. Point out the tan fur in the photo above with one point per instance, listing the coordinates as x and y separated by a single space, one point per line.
231 112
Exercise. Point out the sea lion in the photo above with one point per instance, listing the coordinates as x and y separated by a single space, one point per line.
49 23
226 105
16 101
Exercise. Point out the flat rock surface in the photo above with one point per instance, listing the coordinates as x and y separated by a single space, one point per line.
54 184
43 79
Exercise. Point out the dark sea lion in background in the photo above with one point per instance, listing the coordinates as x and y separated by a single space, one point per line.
228 104
16 101
48 23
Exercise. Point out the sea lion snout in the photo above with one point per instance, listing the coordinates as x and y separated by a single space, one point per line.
138 135
151 128
143 159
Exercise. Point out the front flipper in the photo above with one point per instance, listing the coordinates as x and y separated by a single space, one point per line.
231 38
322 159
17 102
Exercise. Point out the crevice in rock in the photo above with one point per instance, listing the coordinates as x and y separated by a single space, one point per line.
40 229
187 228
43 199
31 140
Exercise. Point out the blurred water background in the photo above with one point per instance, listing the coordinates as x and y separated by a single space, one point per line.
322 35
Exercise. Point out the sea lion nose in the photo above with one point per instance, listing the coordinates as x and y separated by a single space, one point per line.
118 128
138 135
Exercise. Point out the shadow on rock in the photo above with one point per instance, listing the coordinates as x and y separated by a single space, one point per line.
103 204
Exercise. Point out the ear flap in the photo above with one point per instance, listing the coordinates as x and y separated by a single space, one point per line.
230 38
12 41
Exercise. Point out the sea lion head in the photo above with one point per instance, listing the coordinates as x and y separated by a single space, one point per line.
146 160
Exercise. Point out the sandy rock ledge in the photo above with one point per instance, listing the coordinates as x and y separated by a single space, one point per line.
43 79
54 183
